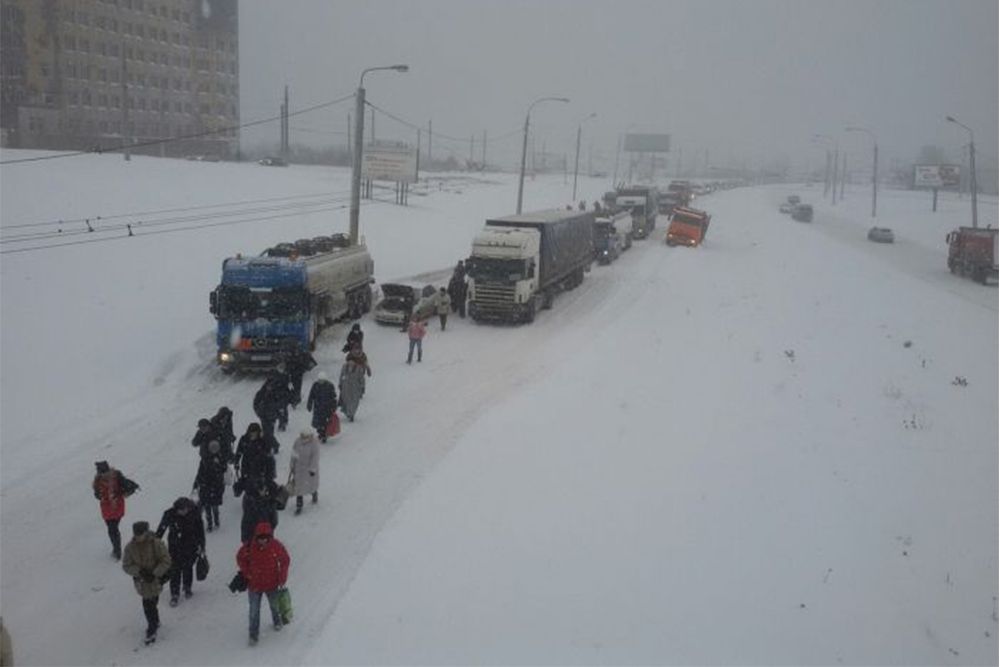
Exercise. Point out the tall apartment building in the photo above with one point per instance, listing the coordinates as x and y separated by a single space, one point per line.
97 74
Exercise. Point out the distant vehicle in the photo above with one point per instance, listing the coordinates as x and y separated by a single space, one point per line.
802 213
273 162
668 201
972 251
881 235
688 227
642 200
612 236
203 158
681 190
794 199
399 301
786 207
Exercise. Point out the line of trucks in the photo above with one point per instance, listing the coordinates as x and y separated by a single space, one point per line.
282 299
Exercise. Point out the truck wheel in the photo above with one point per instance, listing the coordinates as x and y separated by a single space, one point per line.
529 315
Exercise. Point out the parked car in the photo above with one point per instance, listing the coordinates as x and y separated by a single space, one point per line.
881 235
399 301
794 199
273 162
786 207
802 213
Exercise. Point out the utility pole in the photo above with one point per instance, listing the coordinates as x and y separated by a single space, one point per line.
350 129
472 148
484 149
836 163
430 138
826 175
125 133
373 126
843 175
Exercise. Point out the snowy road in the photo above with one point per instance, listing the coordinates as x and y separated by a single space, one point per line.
721 455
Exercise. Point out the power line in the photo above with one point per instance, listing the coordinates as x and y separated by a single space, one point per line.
157 142
438 135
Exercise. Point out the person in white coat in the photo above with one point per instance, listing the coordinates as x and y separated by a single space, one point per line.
305 468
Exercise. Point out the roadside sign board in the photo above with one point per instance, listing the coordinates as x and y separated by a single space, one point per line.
647 143
936 175
389 162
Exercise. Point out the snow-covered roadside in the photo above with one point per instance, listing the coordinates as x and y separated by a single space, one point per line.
726 455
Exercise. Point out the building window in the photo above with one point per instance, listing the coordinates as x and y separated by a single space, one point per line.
85 98
85 46
44 67
70 70
203 109
116 102
115 76
102 100
139 31
70 42
74 98
114 51
81 18
178 107
114 25
102 74
104 126
36 124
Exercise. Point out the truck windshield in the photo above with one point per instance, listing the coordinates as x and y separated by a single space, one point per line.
489 268
281 303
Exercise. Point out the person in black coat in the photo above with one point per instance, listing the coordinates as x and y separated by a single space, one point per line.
185 542
205 434
355 335
210 483
260 503
458 289
271 401
222 422
255 454
297 362
322 402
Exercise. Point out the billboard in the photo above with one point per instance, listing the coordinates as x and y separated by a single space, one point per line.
389 162
647 143
936 175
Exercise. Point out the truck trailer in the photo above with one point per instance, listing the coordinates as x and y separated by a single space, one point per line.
520 262
269 305
972 251
643 202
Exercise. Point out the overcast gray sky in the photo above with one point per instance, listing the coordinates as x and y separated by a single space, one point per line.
746 80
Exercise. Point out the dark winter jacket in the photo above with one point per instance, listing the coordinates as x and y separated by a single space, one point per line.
263 562
146 560
355 335
259 504
298 362
223 424
186 536
322 402
211 479
254 456
272 397
203 436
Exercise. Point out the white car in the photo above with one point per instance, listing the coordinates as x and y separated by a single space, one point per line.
400 301
787 207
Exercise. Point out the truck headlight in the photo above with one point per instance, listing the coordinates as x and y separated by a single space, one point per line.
225 357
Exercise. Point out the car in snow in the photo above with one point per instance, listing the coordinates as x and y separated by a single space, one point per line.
273 162
802 212
786 207
794 199
400 300
881 235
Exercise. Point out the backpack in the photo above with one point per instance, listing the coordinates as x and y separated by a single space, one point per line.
127 486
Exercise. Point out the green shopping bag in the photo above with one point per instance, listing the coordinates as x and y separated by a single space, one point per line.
284 605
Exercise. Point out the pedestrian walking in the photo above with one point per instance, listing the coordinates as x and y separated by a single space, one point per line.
297 362
322 402
416 333
355 335
260 503
222 422
270 403
185 542
210 484
111 487
443 306
147 561
352 380
205 434
264 563
255 454
304 469
458 289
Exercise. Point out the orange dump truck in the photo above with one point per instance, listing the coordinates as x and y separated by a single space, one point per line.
972 251
688 226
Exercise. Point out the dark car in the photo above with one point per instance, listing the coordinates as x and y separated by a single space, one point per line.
881 235
802 212
273 162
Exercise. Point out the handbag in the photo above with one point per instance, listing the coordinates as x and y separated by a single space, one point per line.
333 426
228 477
290 484
281 498
238 583
284 605
201 567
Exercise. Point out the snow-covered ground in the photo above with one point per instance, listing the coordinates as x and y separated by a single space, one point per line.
780 447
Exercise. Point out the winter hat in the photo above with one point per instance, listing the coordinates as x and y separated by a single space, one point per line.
306 434
356 327
204 422
321 375
140 528
102 467
254 427
213 447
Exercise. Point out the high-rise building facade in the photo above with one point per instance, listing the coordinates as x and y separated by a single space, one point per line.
102 74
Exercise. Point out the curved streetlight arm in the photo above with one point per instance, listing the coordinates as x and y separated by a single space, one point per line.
398 68
524 145
951 119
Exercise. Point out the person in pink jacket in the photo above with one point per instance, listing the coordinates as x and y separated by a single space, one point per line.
416 332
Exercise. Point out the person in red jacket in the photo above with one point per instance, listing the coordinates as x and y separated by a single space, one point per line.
264 562
111 487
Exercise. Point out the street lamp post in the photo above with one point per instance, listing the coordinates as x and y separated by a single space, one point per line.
576 161
972 167
524 146
359 131
874 164
826 178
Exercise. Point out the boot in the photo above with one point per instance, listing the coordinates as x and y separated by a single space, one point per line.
174 600
315 497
